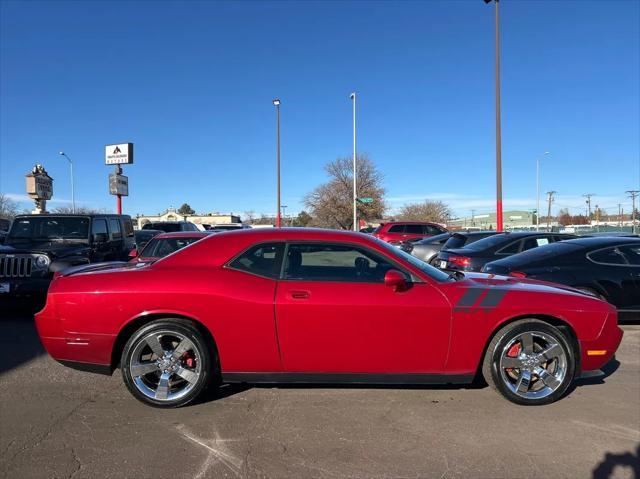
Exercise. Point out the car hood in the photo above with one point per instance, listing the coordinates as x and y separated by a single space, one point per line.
50 248
522 284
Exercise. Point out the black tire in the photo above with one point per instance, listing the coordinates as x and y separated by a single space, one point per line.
505 381
200 368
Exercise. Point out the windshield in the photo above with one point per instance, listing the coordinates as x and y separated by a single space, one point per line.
161 247
435 273
49 228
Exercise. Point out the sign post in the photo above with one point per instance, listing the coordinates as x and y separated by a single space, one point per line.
118 154
39 188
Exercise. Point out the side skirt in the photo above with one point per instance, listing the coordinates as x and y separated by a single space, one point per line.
87 367
347 378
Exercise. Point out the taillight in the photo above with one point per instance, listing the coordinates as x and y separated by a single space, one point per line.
461 261
517 274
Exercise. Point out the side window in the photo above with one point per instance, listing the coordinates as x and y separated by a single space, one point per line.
531 243
333 262
607 256
99 226
262 260
116 232
432 230
396 229
128 228
414 229
632 253
512 248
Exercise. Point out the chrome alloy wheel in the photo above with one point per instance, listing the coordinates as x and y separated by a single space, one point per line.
533 364
165 365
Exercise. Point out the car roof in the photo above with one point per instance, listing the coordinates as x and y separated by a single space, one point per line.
409 223
78 215
603 241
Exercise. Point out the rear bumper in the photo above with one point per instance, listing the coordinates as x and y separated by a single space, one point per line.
595 354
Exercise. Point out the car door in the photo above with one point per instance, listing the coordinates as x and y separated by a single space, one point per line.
632 254
116 245
335 315
614 275
100 250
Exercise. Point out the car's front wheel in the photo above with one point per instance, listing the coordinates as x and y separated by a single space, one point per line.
167 363
530 362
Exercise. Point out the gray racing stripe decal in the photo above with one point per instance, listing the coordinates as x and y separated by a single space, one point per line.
470 297
493 298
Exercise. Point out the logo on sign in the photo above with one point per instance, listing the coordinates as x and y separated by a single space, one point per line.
117 150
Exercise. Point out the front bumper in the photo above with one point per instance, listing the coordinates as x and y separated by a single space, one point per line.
595 354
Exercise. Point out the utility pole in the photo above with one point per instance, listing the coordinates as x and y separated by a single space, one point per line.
276 103
588 202
498 127
620 214
550 200
473 217
633 194
355 174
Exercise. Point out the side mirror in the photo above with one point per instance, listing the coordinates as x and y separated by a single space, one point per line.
395 280
133 253
100 237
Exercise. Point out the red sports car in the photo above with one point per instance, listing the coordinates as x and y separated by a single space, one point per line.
306 305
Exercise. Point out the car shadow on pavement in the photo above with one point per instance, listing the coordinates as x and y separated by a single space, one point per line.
608 369
607 468
19 341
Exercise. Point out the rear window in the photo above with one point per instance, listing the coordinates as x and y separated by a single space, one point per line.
608 256
490 242
439 239
456 241
553 250
161 247
166 227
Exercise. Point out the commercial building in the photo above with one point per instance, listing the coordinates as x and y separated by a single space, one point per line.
487 221
171 214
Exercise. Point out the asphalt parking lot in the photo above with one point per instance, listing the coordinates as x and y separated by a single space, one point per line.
59 423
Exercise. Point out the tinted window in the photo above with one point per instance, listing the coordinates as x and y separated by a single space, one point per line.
116 232
330 262
128 228
190 227
439 239
456 241
166 227
414 229
263 260
607 256
161 247
48 228
531 243
429 270
632 253
489 242
432 230
99 226
512 248
396 229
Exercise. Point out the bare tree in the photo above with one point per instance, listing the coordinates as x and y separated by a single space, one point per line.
8 207
331 204
80 210
429 210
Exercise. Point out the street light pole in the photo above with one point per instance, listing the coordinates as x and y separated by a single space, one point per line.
276 103
355 173
499 220
73 195
538 190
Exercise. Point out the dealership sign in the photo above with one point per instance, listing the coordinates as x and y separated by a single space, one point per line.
120 154
39 184
118 185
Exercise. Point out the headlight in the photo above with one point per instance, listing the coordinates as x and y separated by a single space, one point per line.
42 261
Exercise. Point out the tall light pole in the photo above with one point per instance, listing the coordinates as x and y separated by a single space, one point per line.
538 190
276 103
633 194
355 173
73 195
500 225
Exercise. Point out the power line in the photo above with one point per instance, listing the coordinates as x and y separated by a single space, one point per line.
633 194
550 200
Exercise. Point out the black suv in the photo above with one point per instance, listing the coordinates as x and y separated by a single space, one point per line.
39 245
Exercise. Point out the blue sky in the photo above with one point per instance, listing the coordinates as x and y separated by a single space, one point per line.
191 84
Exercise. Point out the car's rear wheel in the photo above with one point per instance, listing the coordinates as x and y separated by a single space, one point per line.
530 362
167 363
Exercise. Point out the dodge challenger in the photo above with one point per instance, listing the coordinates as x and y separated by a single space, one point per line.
307 305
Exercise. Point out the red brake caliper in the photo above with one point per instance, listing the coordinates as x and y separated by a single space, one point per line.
513 353
188 359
